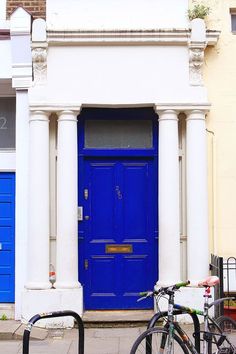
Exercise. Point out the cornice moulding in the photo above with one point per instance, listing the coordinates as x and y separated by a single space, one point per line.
141 37
183 107
54 107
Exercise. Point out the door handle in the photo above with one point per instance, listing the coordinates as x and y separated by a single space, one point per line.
80 213
86 217
0 246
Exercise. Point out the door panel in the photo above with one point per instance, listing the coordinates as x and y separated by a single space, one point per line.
104 266
120 211
7 237
135 200
101 177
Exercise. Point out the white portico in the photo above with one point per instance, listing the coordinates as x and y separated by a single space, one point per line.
68 289
74 69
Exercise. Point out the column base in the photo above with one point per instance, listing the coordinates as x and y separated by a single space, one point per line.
189 297
38 285
41 301
65 285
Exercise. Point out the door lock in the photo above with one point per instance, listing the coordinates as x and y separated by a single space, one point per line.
86 264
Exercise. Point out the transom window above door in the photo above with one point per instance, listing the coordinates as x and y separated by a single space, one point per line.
118 134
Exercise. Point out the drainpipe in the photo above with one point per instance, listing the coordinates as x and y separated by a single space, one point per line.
213 191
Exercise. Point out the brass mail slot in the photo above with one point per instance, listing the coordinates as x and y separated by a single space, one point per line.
119 248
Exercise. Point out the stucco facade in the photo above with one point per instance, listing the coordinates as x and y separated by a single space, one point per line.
219 78
125 57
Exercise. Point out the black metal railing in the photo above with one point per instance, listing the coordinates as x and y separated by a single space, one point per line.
216 268
229 268
226 271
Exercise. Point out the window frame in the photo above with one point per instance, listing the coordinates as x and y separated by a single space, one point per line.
232 15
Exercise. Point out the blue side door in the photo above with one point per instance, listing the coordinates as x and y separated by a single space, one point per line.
118 243
7 237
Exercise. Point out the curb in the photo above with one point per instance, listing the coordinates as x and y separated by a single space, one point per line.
14 330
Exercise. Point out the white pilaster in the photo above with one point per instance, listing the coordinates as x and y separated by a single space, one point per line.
67 200
20 29
22 182
38 244
168 181
197 209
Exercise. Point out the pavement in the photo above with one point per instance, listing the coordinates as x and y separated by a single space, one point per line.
117 340
101 337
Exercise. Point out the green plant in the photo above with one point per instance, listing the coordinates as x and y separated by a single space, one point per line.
198 11
3 317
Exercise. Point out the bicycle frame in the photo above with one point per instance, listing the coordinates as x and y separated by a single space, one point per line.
172 326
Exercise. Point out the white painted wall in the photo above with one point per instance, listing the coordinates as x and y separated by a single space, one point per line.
120 75
22 180
3 9
121 14
5 55
20 28
7 161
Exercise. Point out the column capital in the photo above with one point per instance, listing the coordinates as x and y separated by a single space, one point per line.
167 114
195 114
68 115
39 115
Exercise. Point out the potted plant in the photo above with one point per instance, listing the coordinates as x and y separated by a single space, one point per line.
199 11
196 15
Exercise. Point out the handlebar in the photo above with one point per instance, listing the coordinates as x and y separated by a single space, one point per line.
163 290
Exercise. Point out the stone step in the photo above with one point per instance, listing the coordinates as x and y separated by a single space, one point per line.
130 318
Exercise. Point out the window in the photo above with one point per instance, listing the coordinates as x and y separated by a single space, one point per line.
118 134
233 20
7 122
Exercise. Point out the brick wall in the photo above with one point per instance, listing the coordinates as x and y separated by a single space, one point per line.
37 8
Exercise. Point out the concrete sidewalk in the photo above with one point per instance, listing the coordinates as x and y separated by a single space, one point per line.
113 340
97 341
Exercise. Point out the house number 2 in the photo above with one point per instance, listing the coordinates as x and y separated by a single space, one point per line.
3 123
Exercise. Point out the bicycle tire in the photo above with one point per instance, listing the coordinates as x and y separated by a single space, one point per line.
157 336
221 342
226 324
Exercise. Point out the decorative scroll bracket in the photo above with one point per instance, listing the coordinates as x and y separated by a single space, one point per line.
39 51
196 59
39 57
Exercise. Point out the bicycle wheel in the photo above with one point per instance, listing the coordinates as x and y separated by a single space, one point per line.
226 324
154 341
221 336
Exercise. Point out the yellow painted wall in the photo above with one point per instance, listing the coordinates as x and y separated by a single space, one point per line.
220 79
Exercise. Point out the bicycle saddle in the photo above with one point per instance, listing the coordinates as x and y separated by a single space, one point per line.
209 281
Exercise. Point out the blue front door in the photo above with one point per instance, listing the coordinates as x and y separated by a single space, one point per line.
7 237
118 233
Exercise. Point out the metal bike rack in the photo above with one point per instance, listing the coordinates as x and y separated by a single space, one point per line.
195 319
38 317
